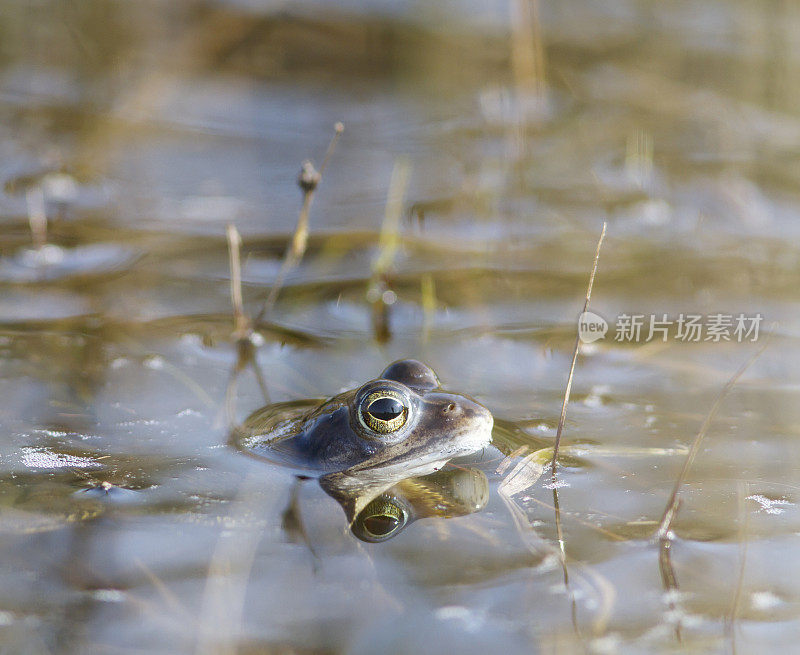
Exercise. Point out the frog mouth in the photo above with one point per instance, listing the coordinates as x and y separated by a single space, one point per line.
477 436
472 439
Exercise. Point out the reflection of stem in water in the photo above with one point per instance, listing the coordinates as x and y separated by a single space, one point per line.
604 589
292 520
563 416
223 601
744 522
308 181
671 508
245 357
664 535
242 332
668 579
563 553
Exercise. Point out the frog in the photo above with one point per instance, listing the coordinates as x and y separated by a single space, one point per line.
398 425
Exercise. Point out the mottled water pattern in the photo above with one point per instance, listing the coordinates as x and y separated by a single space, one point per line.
139 130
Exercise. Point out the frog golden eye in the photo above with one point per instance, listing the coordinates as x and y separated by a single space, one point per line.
383 411
381 525
381 519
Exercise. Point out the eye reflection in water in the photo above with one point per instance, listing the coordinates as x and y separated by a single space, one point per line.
384 518
379 511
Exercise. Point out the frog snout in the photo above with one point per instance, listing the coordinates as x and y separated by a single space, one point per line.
468 423
468 410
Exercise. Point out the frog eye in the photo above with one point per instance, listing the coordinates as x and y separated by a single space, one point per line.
381 525
381 519
383 411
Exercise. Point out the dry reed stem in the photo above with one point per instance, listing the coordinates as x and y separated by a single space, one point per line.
309 181
563 417
389 239
428 302
378 293
242 327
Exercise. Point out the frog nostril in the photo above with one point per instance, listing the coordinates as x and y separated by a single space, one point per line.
450 407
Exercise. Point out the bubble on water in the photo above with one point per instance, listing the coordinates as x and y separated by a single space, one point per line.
555 484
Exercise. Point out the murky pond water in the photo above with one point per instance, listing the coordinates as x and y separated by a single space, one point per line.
484 146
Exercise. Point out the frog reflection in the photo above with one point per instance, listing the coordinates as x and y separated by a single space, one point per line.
443 494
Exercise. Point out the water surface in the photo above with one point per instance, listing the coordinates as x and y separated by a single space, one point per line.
142 129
